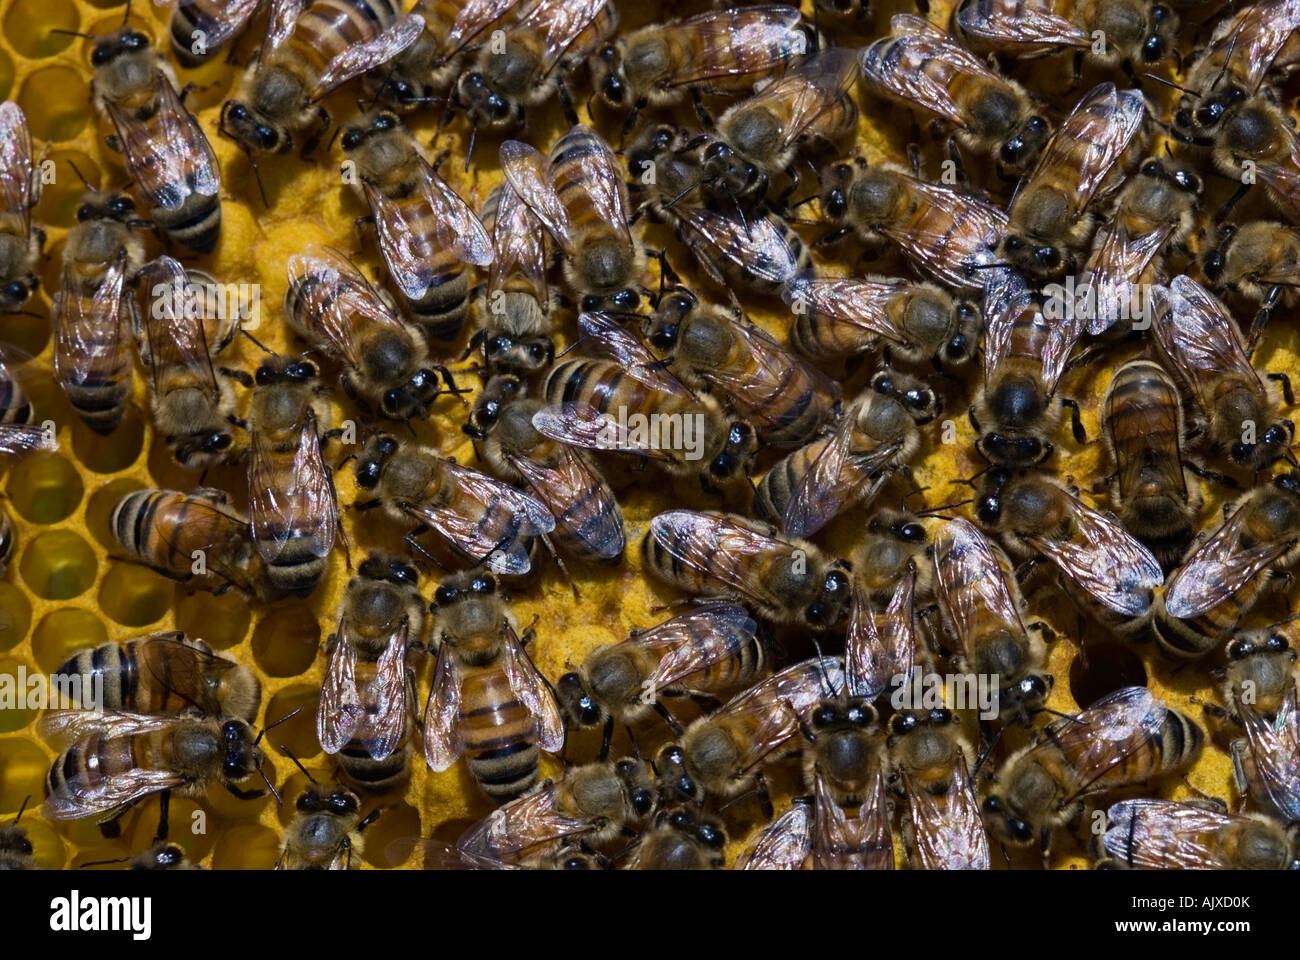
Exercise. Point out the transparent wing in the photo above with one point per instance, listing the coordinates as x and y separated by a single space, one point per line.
583 425
1165 834
88 338
560 22
570 482
340 711
971 580
1275 748
784 844
1114 269
357 58
948 832
20 439
519 243
861 303
1218 569
533 692
18 188
109 793
60 728
747 40
522 827
610 339
602 180
443 743
694 641
836 477
474 17
876 650
332 291
526 171
863 842
1019 24
172 159
757 247
947 254
1107 733
384 699
233 16
1261 30
180 330
300 505
696 539
179 666
280 22
804 93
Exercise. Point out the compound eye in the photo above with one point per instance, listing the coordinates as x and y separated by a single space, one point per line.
484 584
385 121
712 836
444 595
1153 49
957 346
85 212
1240 452
912 532
306 802
836 206
1031 447
219 441
135 41
613 88
266 137
1276 643
1019 830
1183 118
1049 257
989 509
300 370
1014 243
1152 168
387 446
902 723
404 572
1275 435
722 465
121 205
100 56
238 111
626 299
392 398
862 716
1160 14
353 138
824 716
537 351
941 716
992 805
643 802
15 291
1214 264
368 475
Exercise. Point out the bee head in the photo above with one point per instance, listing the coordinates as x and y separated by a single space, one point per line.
370 465
1005 824
413 398
580 710
119 43
251 132
1021 149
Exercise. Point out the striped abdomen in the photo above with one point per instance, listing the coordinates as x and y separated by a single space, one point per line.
499 733
14 405
1169 751
295 557
329 27
127 684
99 391
444 305
740 669
91 762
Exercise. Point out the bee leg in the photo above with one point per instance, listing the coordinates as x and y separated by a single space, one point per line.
164 806
1045 845
370 818
669 719
566 102
1078 66
111 828
1046 632
1076 425
975 424
914 149
239 376
606 739
1221 479
365 504
1287 393
244 794
1261 318
1127 67
313 141
834 236
705 118
114 142
764 796
1222 213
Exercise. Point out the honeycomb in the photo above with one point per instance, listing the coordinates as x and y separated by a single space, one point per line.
65 590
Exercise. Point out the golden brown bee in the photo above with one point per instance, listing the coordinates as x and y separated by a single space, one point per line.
851 315
786 580
195 538
488 702
721 51
864 841
1260 672
757 254
1049 224
293 508
485 521
1264 761
709 650
1223 578
1132 31
325 831
427 234
15 847
682 838
588 520
991 116
192 401
21 241
880 643
311 47
786 399
981 605
167 152
1142 422
385 360
1200 344
168 673
944 233
844 748
200 29
874 437
1261 262
1027 347
528 64
101 256
1126 738
367 700
1169 835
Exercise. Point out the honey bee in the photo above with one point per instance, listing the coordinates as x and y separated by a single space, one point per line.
200 29
708 650
1142 420
16 851
588 520
980 603
684 433
880 647
427 234
1200 344
786 399
1168 835
759 138
113 760
841 317
1264 766
195 538
720 51
1126 738
929 759
720 753
325 831
310 48
681 839
875 436
21 241
1261 262
922 66
293 507
757 254
367 695
1025 353
1228 108
1102 562
1224 577
1260 672
945 234
485 520
544 41
166 150
786 580
192 401
1048 221
844 747
385 360
168 673
487 702
785 843
1133 31
101 256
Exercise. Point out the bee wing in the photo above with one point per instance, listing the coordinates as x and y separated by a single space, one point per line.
430 854
695 539
340 711
87 342
1107 733
560 22
384 699
950 258
19 188
583 425
59 728
1006 295
443 742
280 22
109 793
1284 178
173 160
694 641
307 507
526 171
357 58
864 842
474 17
20 439
1106 560
852 301
1275 748
333 290
1014 24
798 688
456 226
970 579
872 656
610 339
835 478
182 329
758 248
747 40
1196 335
519 243
602 182
1116 266
521 827
948 834
1261 30
233 16
807 91
1164 834
896 65
570 482
1217 569
179 666
784 844
533 692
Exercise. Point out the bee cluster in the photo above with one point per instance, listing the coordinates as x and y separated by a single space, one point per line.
768 323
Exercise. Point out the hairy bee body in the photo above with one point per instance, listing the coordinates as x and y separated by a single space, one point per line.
15 849
21 241
325 832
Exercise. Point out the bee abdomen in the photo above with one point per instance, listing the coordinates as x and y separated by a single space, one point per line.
1179 739
374 776
196 224
507 772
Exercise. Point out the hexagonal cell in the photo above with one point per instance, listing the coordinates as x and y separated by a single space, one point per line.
62 633
55 100
246 847
23 766
60 199
112 453
285 641
45 487
58 565
100 507
397 821
14 676
134 595
47 846
221 621
30 26
1102 668
298 733
15 616
30 331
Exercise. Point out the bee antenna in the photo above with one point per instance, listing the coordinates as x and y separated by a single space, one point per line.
683 193
1066 716
88 36
1170 83
257 175
934 511
821 669
271 726
283 748
279 801
29 797
79 174
987 753
259 343
100 863
473 134
911 493
799 203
